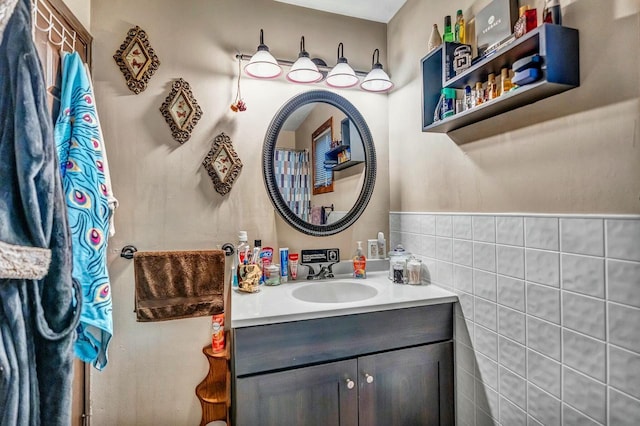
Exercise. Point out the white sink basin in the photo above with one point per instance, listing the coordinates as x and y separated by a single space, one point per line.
334 292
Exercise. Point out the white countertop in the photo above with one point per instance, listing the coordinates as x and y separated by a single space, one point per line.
276 304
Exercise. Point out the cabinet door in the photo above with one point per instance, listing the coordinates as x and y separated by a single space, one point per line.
317 395
407 387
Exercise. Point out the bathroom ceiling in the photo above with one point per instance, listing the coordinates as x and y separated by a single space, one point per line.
379 10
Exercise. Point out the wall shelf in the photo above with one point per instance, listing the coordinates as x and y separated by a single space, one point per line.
558 47
351 143
214 392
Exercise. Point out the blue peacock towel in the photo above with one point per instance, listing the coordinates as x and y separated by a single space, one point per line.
79 146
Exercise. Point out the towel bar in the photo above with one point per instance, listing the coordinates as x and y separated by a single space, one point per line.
127 251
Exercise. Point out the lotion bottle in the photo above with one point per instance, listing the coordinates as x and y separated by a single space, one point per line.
359 263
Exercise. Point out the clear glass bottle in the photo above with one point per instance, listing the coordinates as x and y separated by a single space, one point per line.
448 32
492 87
505 81
242 253
459 27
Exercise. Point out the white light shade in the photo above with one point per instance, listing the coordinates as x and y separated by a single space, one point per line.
342 75
304 71
263 65
377 81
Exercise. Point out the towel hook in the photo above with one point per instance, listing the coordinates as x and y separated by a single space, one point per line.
127 251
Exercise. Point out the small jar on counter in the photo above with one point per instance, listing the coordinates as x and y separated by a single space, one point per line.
272 274
414 268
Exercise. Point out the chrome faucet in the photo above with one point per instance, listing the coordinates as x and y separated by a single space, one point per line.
324 272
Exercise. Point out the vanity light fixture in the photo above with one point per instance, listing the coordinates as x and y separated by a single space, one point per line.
304 70
377 80
342 75
263 64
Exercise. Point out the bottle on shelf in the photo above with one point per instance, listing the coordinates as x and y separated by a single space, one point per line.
468 98
527 21
435 39
492 87
448 32
479 99
552 13
459 27
505 81
359 263
242 253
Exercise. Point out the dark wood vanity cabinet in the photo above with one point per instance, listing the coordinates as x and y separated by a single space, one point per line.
381 368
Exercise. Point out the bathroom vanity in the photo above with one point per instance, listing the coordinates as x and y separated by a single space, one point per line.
386 359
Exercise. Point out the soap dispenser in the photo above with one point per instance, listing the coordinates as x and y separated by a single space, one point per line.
359 263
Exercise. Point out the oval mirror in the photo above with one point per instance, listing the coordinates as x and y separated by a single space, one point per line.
319 163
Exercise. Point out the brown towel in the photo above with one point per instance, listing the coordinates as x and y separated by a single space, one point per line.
178 284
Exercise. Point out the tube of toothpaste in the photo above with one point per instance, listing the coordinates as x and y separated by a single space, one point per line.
284 265
293 265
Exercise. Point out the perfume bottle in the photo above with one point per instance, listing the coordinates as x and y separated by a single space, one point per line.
434 40
492 87
459 28
448 33
527 21
505 81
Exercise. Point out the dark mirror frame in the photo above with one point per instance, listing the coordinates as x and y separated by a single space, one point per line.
269 146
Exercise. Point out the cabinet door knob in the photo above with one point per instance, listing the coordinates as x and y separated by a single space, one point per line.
369 378
350 384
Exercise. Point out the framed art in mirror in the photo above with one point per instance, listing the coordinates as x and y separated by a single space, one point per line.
222 164
181 111
137 60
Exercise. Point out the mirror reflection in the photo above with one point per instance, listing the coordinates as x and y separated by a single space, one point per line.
319 163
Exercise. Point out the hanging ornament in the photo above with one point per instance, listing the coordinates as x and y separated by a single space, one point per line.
238 104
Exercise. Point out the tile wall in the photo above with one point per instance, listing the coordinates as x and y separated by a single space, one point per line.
547 328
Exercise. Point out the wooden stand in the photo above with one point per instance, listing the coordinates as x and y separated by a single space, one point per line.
214 392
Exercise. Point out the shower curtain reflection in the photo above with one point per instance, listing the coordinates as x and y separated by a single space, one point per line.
292 173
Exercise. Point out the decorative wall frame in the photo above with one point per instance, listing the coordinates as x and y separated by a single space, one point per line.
181 111
137 60
222 163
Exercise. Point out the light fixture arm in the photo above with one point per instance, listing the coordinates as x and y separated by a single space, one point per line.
341 58
262 46
288 63
375 60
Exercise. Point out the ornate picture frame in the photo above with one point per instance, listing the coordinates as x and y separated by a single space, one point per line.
222 164
181 110
137 60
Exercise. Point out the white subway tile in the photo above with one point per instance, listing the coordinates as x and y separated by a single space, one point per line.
624 371
623 279
427 246
412 242
465 411
584 394
395 238
466 304
513 387
543 407
445 273
512 355
410 223
465 358
484 284
572 416
444 226
394 222
510 261
543 302
485 313
463 278
484 229
487 370
444 249
465 383
623 410
512 324
511 293
543 267
544 372
510 230
486 342
484 256
463 252
428 224
584 354
533 422
582 236
510 414
462 227
543 337
463 330
487 400
623 237
541 233
484 419
583 274
583 314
